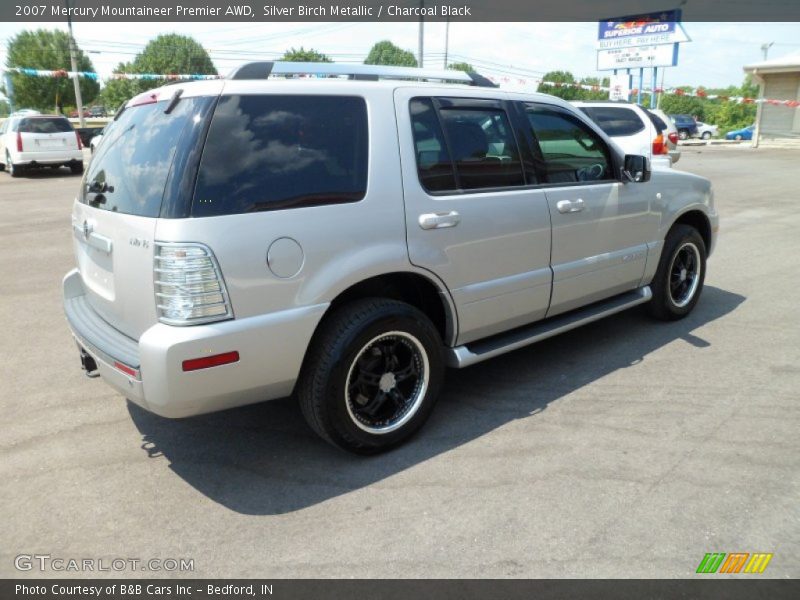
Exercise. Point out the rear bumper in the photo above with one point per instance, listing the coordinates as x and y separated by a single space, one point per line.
47 157
149 371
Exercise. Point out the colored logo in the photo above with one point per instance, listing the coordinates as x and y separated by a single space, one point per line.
735 562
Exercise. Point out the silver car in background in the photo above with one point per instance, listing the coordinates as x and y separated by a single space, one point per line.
344 237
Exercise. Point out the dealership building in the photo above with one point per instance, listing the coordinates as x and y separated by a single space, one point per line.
779 79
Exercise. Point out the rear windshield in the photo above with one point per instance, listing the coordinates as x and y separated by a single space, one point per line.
615 121
130 170
657 121
45 125
270 152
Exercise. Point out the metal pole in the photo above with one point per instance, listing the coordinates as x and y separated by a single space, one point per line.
446 40
653 91
421 49
759 110
9 92
639 91
765 49
628 73
74 61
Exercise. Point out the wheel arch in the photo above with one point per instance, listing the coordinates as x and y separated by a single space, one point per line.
699 220
419 290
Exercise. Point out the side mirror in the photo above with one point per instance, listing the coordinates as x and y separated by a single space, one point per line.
636 169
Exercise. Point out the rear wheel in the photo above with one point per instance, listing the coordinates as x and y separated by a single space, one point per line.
706 135
738 137
683 134
76 168
372 375
13 170
681 272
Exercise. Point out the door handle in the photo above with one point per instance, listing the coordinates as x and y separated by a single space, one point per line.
440 220
569 206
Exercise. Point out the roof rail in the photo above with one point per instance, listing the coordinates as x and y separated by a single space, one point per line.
266 69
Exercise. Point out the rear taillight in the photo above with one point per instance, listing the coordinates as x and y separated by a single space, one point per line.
659 147
673 137
78 137
189 285
19 142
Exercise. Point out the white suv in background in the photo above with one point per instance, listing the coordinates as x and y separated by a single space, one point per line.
31 141
635 129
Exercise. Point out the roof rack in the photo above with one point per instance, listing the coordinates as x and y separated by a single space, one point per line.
266 69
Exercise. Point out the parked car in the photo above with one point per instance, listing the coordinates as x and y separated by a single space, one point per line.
98 112
39 141
672 134
706 131
343 241
25 112
632 127
96 139
686 126
74 114
745 133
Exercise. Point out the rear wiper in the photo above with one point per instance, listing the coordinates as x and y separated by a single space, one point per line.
176 97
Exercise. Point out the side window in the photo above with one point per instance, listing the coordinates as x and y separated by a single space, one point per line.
434 166
482 147
271 152
572 152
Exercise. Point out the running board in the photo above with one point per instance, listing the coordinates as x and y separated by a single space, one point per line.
464 356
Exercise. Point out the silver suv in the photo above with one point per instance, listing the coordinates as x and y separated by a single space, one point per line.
344 233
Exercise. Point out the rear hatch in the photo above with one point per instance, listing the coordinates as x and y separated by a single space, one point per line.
47 134
144 170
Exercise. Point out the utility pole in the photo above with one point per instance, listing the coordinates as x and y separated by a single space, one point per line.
74 61
446 40
420 52
765 49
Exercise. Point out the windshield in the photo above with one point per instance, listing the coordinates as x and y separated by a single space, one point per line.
132 166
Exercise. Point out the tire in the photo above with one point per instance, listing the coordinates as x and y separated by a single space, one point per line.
350 388
13 170
738 137
681 272
76 168
706 135
683 134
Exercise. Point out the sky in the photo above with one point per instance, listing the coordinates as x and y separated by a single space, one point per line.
714 57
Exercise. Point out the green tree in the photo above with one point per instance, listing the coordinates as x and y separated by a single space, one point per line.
49 50
386 53
303 55
117 91
166 54
462 66
674 104
565 89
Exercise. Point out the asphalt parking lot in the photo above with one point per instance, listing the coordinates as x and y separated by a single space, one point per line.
628 448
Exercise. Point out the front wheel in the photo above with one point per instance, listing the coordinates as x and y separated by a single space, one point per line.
372 375
681 272
706 135
683 134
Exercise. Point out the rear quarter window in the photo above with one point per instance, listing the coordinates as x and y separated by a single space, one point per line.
271 152
615 121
